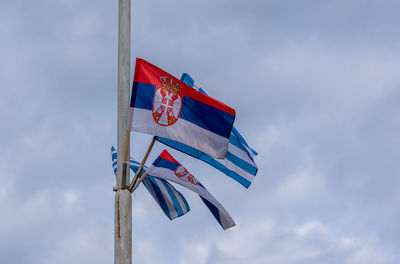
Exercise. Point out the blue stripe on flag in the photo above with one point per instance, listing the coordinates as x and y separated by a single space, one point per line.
142 95
206 158
214 210
189 110
235 141
240 170
178 207
234 175
238 140
155 190
163 163
241 139
160 199
173 207
187 208
241 163
218 211
187 79
185 202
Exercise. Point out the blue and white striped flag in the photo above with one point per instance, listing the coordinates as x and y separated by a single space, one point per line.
168 198
239 161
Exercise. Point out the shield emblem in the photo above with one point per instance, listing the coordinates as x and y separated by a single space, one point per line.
184 175
166 106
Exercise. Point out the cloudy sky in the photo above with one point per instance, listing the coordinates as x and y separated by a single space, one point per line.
316 88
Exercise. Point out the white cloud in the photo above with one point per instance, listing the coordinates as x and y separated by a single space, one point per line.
307 80
274 136
6 186
71 197
351 78
271 242
306 182
90 245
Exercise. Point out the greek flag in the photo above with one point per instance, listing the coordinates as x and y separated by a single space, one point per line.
239 161
167 197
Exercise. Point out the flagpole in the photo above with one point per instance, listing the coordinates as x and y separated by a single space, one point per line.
132 188
123 198
146 155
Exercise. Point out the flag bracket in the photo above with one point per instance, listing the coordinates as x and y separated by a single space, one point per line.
135 178
132 187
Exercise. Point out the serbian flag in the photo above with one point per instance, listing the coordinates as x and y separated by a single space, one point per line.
170 200
162 105
239 161
166 167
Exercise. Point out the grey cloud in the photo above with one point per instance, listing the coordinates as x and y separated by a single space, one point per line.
315 86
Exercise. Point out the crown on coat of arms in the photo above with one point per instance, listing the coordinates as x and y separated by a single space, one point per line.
169 84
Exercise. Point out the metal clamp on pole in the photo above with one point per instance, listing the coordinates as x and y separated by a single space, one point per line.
124 169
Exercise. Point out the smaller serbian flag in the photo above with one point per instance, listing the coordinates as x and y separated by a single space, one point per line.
166 167
170 200
162 105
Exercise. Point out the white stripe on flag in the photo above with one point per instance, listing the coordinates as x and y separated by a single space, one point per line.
178 197
240 153
163 192
226 220
248 151
168 201
235 168
167 174
182 131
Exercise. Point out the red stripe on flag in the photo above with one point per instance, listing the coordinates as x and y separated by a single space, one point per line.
146 72
165 155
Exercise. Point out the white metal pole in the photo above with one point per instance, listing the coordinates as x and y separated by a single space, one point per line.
123 198
123 227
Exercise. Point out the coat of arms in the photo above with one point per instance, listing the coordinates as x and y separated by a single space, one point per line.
167 102
184 175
